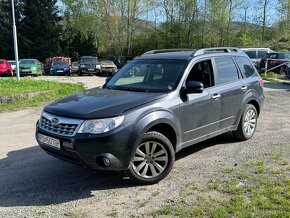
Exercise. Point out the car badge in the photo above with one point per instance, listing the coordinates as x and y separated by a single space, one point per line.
55 121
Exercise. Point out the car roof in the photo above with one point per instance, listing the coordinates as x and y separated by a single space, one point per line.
187 55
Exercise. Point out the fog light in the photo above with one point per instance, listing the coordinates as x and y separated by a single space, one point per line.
106 161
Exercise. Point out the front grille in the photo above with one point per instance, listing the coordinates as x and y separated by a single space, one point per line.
63 126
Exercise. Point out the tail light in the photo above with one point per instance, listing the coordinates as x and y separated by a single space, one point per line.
261 82
275 62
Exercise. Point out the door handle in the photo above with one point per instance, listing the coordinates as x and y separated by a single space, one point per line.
216 96
244 88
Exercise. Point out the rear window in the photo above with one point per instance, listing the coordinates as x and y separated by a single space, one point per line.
245 66
272 55
227 71
251 54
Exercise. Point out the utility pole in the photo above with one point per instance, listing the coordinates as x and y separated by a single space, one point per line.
15 41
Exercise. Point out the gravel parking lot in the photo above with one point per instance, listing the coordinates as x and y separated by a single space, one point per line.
34 184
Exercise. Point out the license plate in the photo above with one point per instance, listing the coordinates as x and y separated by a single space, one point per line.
24 70
47 140
90 69
59 71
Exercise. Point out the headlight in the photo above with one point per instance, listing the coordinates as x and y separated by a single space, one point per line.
51 69
98 66
33 68
101 125
82 65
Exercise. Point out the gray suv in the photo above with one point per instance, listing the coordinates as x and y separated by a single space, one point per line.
137 123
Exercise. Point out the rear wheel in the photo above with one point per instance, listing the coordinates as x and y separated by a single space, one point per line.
153 159
248 123
283 71
9 73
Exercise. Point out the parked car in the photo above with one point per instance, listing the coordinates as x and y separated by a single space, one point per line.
89 65
30 67
256 54
5 68
138 123
12 63
275 59
108 67
49 61
59 68
75 67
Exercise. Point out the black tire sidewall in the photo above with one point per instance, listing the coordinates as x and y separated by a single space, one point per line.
154 136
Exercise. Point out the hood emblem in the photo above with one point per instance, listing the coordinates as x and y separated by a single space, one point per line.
55 121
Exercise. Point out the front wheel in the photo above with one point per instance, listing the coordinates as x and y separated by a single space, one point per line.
153 159
248 123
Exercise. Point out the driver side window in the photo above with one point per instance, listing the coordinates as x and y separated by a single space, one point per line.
202 72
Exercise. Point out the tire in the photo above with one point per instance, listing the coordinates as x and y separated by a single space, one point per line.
283 71
153 159
248 123
9 73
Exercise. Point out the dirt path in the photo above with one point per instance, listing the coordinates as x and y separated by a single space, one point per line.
33 184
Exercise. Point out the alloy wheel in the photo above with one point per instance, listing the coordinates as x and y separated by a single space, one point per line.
250 122
150 159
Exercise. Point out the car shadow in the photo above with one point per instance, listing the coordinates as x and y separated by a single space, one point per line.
30 177
226 138
277 86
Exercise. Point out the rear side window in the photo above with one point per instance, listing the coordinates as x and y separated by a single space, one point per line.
262 54
226 69
251 54
245 66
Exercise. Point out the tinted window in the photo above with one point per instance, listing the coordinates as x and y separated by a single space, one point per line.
272 55
282 56
92 60
227 71
202 72
245 66
262 54
251 54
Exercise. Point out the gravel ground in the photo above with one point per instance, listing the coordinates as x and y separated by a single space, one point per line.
35 184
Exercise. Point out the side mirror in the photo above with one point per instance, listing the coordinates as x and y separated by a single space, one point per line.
194 87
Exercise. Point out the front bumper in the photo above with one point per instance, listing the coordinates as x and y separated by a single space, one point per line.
92 151
59 72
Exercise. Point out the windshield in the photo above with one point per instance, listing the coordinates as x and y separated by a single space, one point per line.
75 64
11 62
107 62
27 62
59 63
89 60
148 76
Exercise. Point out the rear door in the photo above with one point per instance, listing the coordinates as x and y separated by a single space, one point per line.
231 89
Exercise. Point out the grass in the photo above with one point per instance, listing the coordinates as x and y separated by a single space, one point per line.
49 91
256 189
272 77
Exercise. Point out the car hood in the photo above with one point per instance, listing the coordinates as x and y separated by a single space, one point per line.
100 103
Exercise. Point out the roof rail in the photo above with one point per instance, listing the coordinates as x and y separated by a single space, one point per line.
216 50
157 51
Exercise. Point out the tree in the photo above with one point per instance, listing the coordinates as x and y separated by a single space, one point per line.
39 29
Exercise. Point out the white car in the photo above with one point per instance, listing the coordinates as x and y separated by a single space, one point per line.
12 63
